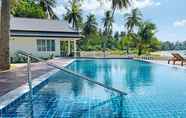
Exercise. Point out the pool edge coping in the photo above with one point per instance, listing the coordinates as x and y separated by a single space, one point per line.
13 95
156 62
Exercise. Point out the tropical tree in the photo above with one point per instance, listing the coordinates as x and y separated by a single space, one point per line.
13 3
73 15
47 6
133 19
90 25
119 4
4 34
145 35
26 8
127 42
107 24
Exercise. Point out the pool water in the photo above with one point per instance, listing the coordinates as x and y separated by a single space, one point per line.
154 91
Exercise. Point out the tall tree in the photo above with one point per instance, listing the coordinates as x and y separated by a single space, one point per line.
145 35
119 4
47 6
107 24
90 25
27 8
133 19
73 15
4 34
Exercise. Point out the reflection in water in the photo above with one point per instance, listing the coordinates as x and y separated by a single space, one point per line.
121 74
107 74
77 86
138 75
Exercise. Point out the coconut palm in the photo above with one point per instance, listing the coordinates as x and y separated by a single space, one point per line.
4 34
73 15
133 19
90 24
145 35
107 23
47 6
119 4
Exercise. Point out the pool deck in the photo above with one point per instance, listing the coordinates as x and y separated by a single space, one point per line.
164 62
16 77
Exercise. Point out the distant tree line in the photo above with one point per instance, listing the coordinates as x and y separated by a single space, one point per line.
173 46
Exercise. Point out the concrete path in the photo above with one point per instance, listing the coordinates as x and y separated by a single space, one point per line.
16 77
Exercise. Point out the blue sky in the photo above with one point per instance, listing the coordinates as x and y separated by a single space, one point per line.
168 15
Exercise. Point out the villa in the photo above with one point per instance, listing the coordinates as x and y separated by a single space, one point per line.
42 37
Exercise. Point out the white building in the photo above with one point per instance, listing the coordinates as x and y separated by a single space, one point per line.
42 37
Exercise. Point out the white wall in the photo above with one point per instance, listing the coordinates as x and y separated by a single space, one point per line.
29 44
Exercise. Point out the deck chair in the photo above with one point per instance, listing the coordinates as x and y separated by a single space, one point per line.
177 57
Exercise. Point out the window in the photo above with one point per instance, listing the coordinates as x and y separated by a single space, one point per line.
39 45
53 45
45 45
49 45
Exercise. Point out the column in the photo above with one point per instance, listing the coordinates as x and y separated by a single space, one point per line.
75 49
68 47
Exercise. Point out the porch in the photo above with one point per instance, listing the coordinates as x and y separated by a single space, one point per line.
68 47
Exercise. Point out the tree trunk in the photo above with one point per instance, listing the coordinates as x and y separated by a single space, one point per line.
127 48
139 51
104 47
4 35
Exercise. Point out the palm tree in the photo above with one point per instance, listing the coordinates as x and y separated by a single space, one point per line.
119 4
47 6
108 23
144 36
133 19
73 15
90 24
4 34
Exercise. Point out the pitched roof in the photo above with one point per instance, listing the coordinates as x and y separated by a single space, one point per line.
32 24
30 27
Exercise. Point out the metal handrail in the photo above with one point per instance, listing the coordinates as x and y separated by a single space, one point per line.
71 72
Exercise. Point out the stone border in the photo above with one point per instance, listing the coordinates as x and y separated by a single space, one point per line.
11 96
156 62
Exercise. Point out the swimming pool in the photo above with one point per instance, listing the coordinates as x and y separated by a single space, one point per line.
153 91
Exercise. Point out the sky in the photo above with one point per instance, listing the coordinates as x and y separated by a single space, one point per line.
168 15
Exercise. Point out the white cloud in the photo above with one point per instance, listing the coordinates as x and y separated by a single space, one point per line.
117 27
180 23
144 3
60 10
104 5
157 4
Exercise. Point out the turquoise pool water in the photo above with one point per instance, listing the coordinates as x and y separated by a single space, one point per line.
154 91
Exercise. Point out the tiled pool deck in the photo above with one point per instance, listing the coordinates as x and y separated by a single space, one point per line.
17 77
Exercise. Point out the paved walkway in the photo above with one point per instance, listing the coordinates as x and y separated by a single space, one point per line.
16 77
